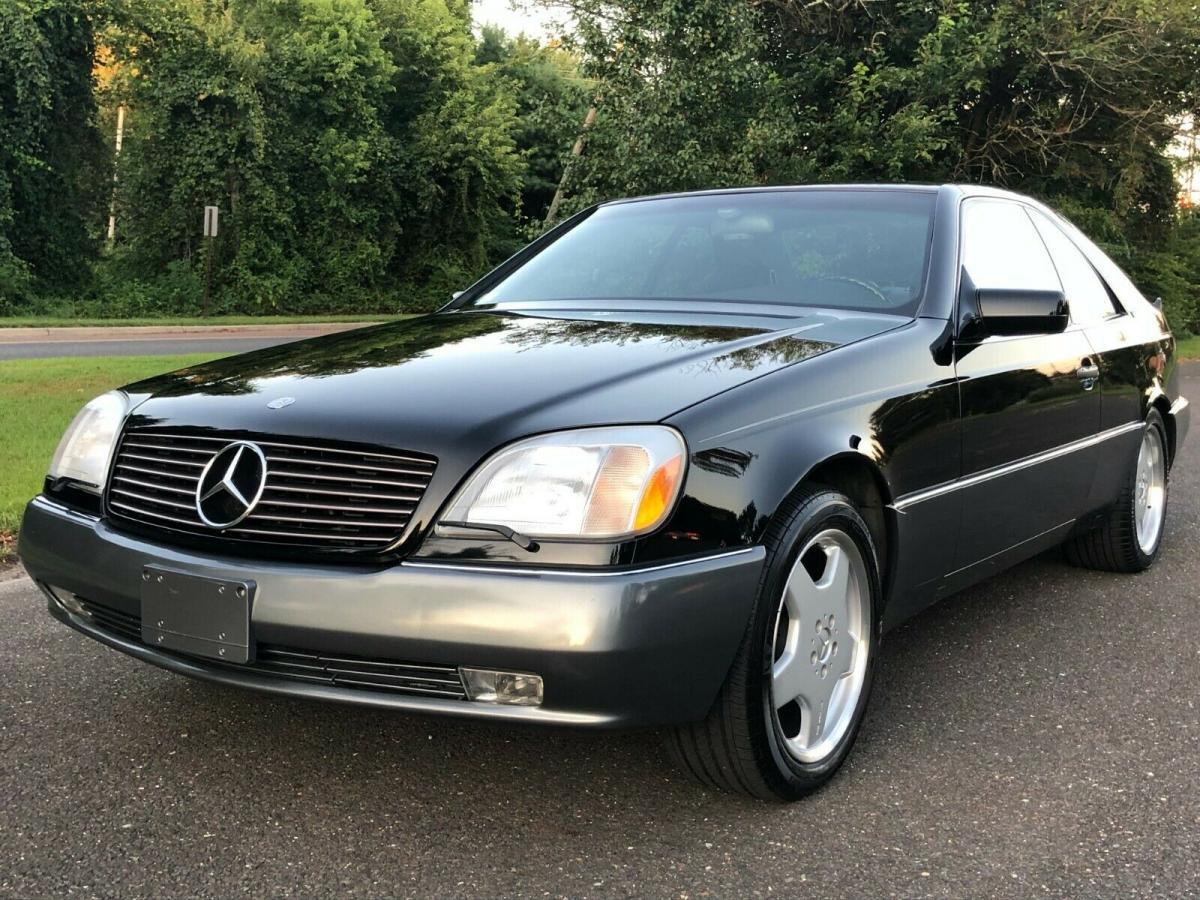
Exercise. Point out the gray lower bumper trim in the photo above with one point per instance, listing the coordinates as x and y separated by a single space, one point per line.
196 668
647 646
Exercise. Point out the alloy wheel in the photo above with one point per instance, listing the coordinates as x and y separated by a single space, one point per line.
821 643
1150 490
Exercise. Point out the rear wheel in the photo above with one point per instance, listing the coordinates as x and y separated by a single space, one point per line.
1129 538
792 704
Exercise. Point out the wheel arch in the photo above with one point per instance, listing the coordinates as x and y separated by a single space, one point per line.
1163 405
860 479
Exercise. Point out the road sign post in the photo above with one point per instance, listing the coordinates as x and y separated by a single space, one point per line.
211 215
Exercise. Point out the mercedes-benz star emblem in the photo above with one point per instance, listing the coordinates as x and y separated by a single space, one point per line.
231 485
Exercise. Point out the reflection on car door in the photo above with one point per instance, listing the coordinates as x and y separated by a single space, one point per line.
1031 405
1123 350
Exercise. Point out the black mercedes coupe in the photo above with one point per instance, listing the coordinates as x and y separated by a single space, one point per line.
681 462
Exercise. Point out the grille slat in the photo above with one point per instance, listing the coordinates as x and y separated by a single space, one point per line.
357 467
157 471
174 504
345 479
153 486
165 459
323 492
154 448
310 535
143 512
330 520
193 477
378 510
294 664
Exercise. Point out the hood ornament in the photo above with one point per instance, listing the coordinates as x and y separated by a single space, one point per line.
281 402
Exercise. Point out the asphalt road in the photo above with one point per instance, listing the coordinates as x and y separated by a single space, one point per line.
1038 735
140 347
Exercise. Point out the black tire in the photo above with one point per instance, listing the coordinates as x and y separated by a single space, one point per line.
738 747
1113 545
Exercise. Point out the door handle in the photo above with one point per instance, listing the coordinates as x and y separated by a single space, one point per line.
1088 373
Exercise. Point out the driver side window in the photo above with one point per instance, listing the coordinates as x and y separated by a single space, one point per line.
1002 249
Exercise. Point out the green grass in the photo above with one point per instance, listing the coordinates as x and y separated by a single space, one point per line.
39 397
68 322
1189 347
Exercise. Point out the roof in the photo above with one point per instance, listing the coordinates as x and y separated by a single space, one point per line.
964 189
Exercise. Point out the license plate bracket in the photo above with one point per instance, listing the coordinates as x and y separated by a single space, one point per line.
197 615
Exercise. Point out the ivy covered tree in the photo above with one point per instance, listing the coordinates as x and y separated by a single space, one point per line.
52 158
358 156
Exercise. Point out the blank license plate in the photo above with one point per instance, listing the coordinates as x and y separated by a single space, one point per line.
196 615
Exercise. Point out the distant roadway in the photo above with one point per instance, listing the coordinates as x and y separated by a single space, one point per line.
38 343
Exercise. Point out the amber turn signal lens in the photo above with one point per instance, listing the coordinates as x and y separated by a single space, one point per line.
659 494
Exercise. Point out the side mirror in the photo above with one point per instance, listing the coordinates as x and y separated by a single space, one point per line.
1010 311
456 295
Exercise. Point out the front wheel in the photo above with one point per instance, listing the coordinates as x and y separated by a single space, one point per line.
792 704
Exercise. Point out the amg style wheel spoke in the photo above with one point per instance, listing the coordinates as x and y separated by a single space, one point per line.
1150 490
820 654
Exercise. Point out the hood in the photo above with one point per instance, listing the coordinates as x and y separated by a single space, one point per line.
458 384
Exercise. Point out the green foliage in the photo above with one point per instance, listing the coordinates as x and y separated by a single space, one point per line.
1073 101
356 154
552 101
1172 272
374 155
684 98
52 163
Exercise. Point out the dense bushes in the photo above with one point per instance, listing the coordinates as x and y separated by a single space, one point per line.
362 156
377 155
1073 101
52 162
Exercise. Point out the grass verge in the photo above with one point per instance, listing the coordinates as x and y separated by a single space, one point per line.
39 398
1188 347
67 322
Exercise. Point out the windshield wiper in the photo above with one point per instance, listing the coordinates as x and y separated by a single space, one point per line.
525 543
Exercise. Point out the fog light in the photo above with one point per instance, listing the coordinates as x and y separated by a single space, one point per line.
512 688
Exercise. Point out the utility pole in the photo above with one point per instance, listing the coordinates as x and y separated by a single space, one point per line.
112 203
576 151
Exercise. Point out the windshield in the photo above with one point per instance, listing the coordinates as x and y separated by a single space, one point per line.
842 249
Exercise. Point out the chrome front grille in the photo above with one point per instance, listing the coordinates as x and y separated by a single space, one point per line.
317 494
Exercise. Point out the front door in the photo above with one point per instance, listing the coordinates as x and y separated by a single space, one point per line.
1030 404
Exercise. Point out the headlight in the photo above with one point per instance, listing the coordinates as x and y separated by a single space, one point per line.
86 449
594 483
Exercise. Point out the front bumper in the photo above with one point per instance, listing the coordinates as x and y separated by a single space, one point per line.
630 647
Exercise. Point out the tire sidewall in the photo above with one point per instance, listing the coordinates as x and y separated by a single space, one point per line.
825 510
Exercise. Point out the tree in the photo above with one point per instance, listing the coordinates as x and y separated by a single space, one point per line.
552 100
358 156
684 98
52 160
1070 100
